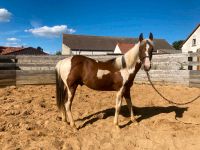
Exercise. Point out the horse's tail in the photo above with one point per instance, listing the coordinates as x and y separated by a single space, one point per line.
60 89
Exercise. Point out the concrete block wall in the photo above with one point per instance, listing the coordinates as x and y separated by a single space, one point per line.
166 69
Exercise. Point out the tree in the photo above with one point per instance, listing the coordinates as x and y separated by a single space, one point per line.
177 44
58 53
39 48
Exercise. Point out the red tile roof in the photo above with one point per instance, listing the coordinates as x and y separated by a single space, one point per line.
124 47
7 50
20 50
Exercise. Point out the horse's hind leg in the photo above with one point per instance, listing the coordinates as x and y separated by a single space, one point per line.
63 109
64 116
71 91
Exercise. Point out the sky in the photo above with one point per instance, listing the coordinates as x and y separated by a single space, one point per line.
41 22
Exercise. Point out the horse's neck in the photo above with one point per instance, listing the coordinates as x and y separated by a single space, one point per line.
131 56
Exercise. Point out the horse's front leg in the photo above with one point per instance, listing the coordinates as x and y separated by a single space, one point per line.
127 97
118 107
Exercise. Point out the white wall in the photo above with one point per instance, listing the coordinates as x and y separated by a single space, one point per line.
117 50
89 52
188 44
66 50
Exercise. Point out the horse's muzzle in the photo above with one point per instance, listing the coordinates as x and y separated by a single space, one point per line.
147 68
147 64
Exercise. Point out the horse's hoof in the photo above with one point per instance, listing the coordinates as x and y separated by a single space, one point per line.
67 122
117 127
134 121
64 120
75 129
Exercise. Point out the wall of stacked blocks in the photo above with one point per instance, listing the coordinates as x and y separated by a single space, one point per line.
181 69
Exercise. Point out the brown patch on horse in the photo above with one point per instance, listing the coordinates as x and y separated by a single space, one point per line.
84 71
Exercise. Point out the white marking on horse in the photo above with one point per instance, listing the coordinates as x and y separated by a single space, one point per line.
147 46
125 73
147 62
101 73
64 67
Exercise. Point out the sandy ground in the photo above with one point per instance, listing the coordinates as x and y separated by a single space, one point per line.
29 119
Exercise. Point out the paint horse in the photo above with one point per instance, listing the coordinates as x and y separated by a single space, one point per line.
113 75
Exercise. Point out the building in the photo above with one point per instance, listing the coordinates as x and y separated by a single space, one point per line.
21 51
122 48
101 45
192 43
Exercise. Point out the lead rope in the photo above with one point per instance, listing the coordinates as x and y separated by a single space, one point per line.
166 99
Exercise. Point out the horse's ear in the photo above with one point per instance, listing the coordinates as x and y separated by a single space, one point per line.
141 37
151 36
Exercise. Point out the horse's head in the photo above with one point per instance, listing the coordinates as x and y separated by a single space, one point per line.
145 51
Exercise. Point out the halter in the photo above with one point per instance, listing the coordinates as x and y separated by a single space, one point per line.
123 62
145 57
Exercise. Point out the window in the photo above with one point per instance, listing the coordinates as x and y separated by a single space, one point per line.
193 42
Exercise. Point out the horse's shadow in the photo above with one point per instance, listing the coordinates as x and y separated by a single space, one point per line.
143 112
